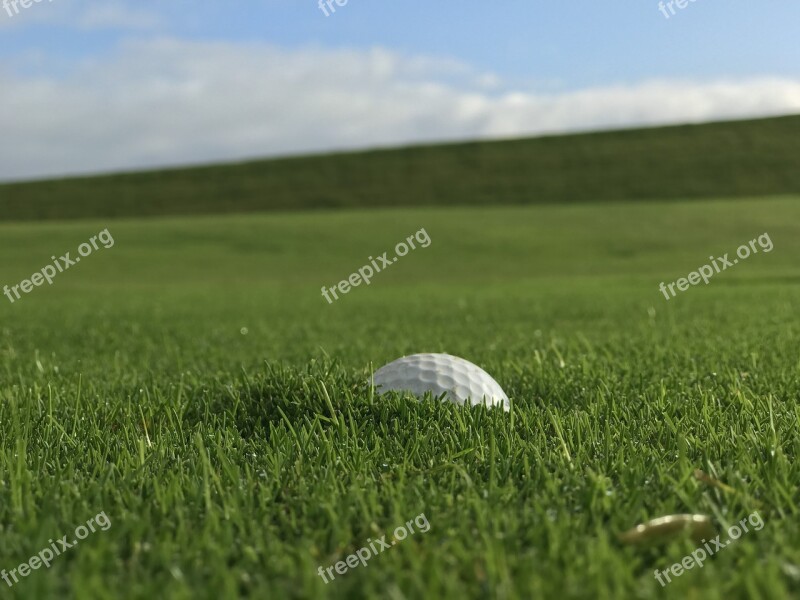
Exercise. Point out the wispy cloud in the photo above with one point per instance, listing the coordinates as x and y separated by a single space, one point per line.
167 101
110 15
83 15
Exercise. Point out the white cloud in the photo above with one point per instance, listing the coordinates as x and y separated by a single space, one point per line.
80 15
166 102
111 15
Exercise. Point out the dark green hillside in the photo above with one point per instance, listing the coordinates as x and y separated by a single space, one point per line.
729 159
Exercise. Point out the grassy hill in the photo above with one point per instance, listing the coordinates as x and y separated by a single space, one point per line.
730 159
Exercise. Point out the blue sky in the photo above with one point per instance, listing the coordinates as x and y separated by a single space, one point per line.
116 85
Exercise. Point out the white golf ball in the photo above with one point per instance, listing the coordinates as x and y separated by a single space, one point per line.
458 379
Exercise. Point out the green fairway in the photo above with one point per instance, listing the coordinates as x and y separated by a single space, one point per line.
191 382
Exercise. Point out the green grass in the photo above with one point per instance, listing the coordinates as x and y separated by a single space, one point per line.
192 383
731 159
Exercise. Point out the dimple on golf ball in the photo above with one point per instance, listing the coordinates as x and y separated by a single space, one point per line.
458 379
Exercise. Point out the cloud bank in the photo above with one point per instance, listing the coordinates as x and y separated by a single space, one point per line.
161 102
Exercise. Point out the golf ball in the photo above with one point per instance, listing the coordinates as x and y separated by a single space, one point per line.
458 379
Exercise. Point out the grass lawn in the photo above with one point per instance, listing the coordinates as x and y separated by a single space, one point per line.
192 383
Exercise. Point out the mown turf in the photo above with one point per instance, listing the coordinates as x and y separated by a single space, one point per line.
733 159
192 383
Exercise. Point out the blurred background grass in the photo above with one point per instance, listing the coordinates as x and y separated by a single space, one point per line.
728 159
